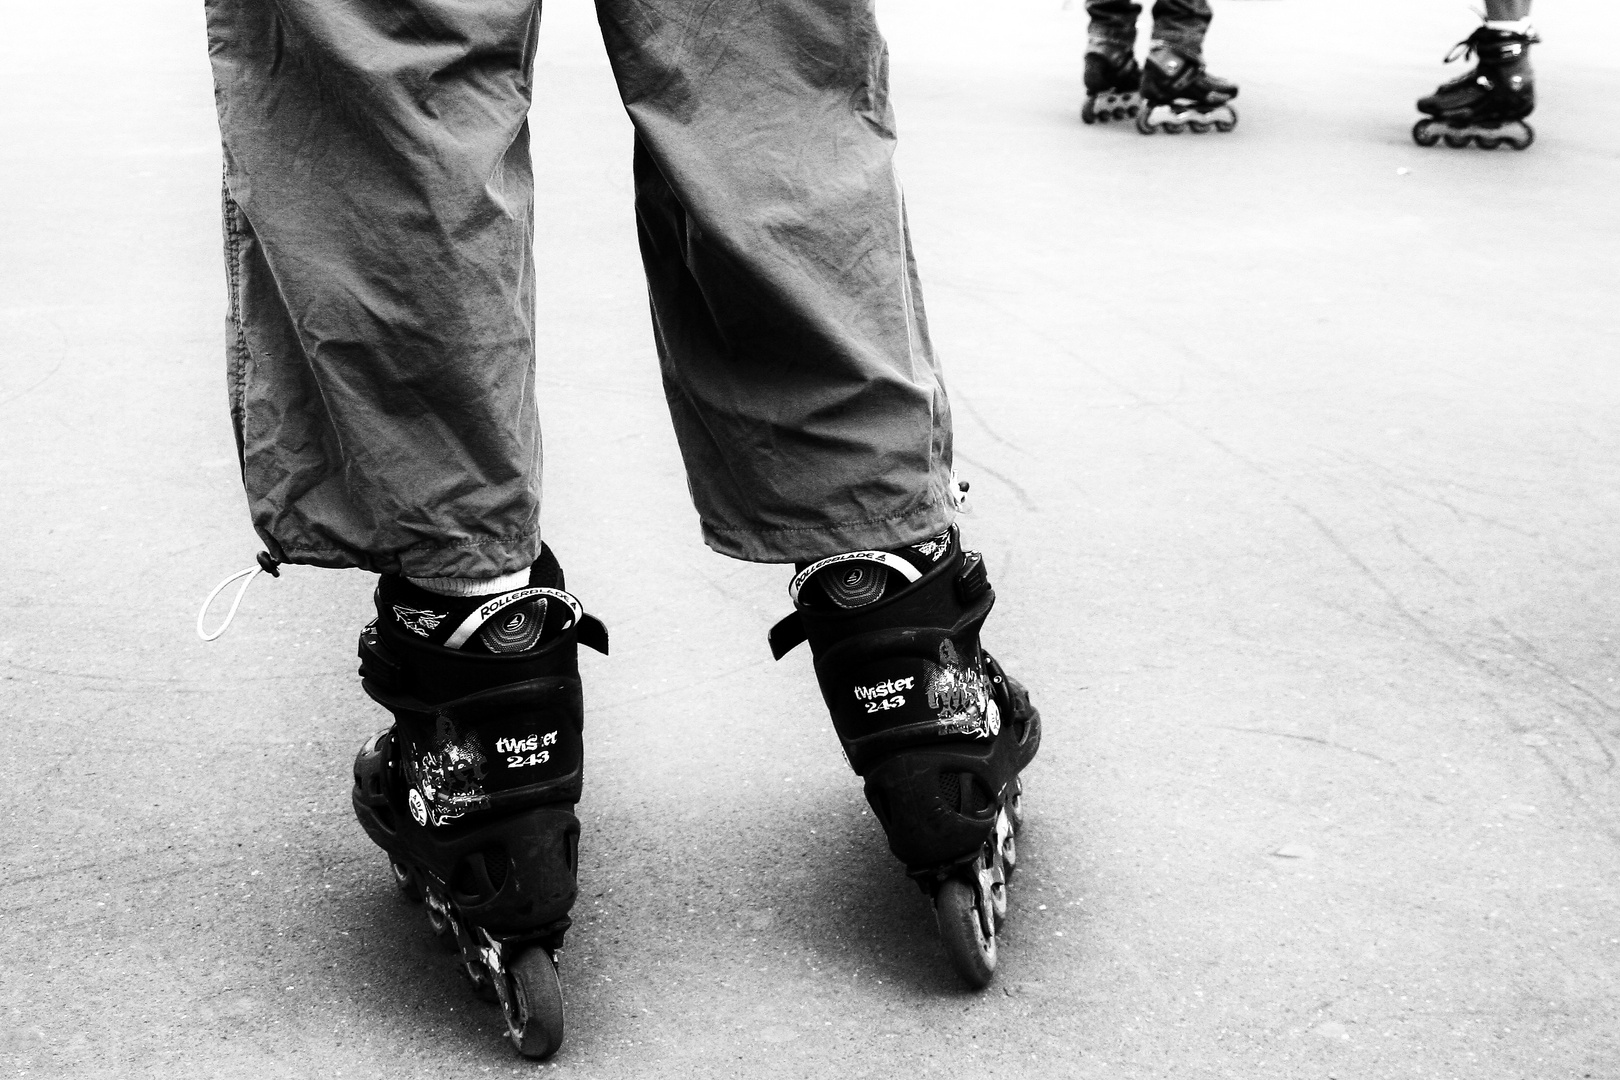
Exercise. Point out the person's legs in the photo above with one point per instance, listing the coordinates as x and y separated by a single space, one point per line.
809 406
1488 104
805 394
1182 25
1111 31
378 222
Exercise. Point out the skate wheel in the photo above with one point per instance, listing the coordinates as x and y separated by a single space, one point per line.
1174 127
1226 125
533 1004
1457 142
1088 112
406 881
1199 127
1487 142
1524 143
970 944
1144 121
1423 133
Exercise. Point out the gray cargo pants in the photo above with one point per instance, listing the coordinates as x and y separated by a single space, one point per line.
379 249
1180 24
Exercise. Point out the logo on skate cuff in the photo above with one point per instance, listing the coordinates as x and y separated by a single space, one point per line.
419 621
418 807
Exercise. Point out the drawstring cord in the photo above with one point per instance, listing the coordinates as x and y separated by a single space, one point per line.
267 565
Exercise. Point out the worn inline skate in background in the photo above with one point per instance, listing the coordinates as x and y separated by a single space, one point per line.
932 723
1179 94
471 791
1113 89
1487 106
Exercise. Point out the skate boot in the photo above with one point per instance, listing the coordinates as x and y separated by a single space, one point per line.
1487 106
1179 94
1113 89
932 723
471 791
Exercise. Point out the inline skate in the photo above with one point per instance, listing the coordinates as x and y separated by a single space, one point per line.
934 725
1113 88
1487 106
471 791
1179 94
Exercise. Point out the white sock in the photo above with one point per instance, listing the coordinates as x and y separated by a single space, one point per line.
467 586
1518 26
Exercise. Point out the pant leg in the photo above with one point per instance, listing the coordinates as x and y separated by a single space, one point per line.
378 225
806 398
1112 30
1182 24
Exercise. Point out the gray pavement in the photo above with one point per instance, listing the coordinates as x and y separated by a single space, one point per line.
1294 453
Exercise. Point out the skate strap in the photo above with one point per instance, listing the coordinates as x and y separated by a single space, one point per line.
892 561
266 565
497 604
788 635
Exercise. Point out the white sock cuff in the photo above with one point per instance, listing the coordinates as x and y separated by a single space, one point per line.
464 586
1516 26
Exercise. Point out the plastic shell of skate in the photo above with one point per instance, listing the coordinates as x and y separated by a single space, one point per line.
940 734
493 862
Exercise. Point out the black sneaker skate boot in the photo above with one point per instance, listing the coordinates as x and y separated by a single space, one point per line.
1487 106
471 791
1179 94
932 723
1113 88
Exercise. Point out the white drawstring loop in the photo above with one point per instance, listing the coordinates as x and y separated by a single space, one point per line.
267 565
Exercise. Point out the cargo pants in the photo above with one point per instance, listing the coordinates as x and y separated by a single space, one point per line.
378 213
1180 24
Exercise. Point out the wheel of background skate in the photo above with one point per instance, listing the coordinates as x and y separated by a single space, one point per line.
1423 133
533 1004
1529 137
971 949
1088 112
1009 855
406 881
1015 803
1457 142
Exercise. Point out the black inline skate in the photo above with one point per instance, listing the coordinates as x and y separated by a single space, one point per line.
1487 106
1179 94
1113 88
471 791
935 726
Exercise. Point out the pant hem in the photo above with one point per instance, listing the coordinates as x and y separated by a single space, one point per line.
462 558
794 544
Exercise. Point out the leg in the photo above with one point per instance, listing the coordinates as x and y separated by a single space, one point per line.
1182 25
806 398
1486 106
378 219
1112 28
808 403
1112 75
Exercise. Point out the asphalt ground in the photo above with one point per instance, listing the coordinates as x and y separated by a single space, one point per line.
1294 458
